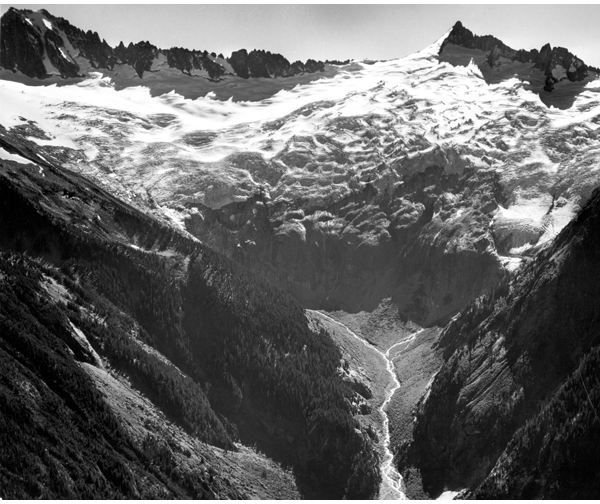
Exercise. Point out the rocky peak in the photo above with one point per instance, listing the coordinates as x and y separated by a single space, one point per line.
542 69
462 36
39 44
459 35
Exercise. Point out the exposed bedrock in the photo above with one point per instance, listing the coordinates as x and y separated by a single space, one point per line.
423 241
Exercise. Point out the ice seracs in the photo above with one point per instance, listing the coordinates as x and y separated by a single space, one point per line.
370 123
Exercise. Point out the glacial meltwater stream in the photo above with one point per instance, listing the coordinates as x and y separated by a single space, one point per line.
391 481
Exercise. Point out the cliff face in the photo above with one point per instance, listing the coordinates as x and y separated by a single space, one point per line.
20 46
519 363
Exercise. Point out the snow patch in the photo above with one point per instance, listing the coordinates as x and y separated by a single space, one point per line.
531 221
448 494
519 226
174 216
8 156
525 210
511 264
559 216
85 344
64 54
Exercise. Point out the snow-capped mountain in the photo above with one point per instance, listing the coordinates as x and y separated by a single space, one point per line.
400 167
226 195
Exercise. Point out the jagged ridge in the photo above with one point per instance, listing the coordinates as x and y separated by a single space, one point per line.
29 40
546 59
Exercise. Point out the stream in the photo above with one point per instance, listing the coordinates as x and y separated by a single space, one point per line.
391 481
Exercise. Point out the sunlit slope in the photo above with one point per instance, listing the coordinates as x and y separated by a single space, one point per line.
513 411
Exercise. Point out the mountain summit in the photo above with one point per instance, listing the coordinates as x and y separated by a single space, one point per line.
555 73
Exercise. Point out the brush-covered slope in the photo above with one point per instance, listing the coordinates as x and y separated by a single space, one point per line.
37 45
62 433
103 304
513 412
554 454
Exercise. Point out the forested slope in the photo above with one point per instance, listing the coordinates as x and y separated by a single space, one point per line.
241 361
518 393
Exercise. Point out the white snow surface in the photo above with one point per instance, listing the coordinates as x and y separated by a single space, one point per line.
326 135
85 344
8 156
448 495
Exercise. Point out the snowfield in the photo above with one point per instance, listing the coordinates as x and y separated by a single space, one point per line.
370 123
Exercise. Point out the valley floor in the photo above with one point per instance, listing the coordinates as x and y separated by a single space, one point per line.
397 362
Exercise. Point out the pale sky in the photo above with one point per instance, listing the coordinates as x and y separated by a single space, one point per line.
335 31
